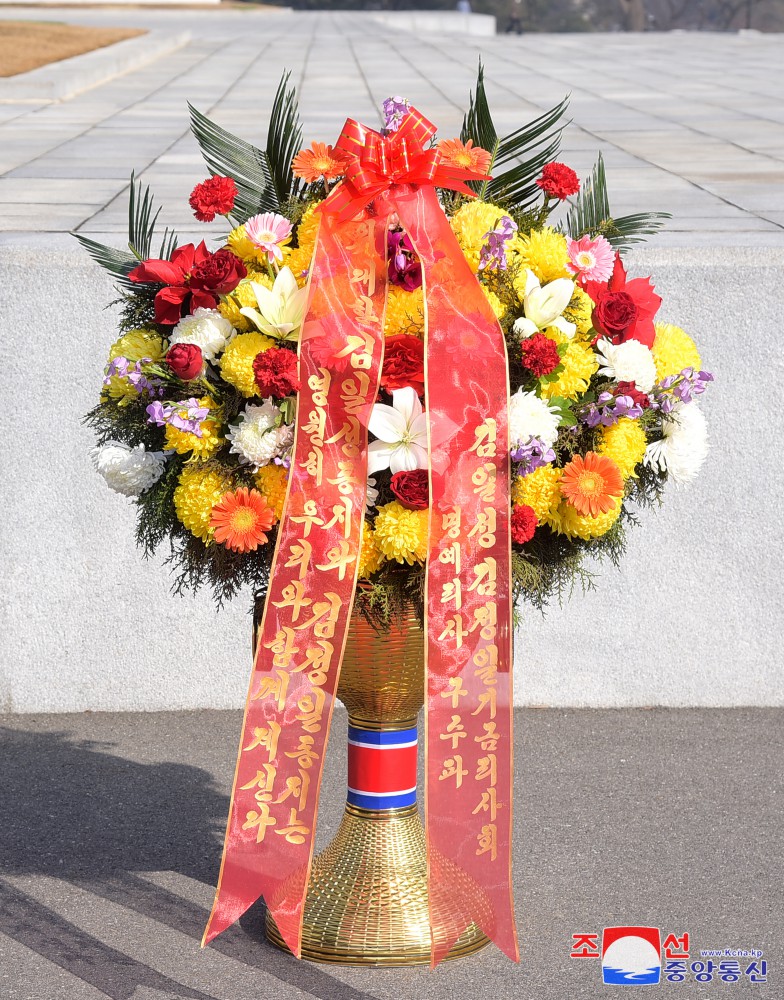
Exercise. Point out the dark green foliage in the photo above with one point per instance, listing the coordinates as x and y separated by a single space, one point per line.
590 215
124 423
196 565
263 176
156 518
518 158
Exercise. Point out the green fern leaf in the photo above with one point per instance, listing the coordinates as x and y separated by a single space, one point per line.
142 219
591 215
523 152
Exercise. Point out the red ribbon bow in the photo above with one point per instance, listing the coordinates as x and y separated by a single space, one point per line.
376 162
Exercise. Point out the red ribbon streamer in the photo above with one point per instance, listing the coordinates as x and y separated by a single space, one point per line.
469 716
269 837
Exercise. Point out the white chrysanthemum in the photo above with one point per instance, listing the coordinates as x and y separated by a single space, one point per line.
127 470
630 361
207 329
530 416
259 437
684 445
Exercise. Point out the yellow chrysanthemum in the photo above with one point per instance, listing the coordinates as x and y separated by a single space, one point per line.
567 521
200 488
401 534
540 491
370 557
201 448
579 363
242 296
236 363
405 312
240 245
497 305
625 443
543 251
299 260
673 350
271 481
470 224
134 345
308 227
579 311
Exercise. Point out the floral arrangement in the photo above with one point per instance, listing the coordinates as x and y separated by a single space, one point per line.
196 411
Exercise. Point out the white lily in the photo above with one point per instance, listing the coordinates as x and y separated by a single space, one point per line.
544 306
281 308
401 430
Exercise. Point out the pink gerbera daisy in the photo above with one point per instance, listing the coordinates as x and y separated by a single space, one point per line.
590 259
269 231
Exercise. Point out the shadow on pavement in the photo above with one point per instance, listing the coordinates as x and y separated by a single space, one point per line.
73 810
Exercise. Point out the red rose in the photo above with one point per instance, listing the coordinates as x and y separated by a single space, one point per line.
523 523
630 389
624 310
212 197
614 315
192 279
540 355
185 360
412 489
220 273
558 181
275 372
404 363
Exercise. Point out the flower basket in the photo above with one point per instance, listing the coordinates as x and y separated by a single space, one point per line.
411 389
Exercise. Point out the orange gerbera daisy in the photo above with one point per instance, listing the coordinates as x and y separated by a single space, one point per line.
320 160
241 520
457 154
592 483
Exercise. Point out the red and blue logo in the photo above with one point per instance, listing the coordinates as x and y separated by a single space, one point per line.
382 768
631 956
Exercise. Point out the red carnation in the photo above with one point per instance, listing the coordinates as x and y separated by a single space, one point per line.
558 181
523 523
412 489
630 389
404 363
192 279
275 371
540 355
624 310
212 197
185 360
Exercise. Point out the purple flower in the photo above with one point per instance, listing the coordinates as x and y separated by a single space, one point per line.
682 388
531 456
395 110
121 367
172 413
608 410
493 254
404 268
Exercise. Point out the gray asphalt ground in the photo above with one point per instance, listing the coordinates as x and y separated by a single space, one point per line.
111 833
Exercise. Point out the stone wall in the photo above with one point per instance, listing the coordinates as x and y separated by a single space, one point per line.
88 624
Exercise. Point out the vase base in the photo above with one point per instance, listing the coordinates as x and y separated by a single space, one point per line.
367 901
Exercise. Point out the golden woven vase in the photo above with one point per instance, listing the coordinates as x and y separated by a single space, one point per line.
367 900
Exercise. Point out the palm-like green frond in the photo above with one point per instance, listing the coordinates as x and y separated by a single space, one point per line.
522 153
142 218
284 140
591 215
263 177
230 156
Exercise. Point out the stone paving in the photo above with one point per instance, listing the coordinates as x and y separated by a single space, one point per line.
113 825
690 124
